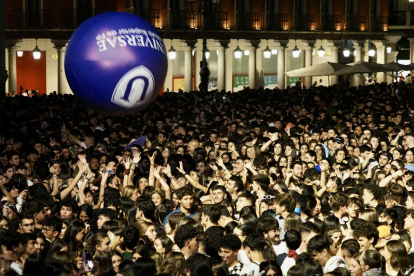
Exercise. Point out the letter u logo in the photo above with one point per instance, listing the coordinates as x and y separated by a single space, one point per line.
133 88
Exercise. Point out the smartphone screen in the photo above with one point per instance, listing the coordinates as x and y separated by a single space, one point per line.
89 259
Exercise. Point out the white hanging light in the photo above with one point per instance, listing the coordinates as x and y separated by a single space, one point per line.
295 52
246 52
389 49
347 52
237 53
20 53
267 53
207 53
274 52
36 52
172 53
371 51
321 52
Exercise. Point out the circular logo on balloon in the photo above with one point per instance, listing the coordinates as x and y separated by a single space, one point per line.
116 63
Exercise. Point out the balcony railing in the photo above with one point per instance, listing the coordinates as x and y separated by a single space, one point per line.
306 22
217 20
72 18
379 23
180 19
247 21
151 15
27 19
397 18
333 23
278 21
357 23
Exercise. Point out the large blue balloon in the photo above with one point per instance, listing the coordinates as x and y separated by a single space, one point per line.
116 63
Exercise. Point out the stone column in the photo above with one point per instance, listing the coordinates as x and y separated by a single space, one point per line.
281 67
411 49
221 75
188 70
308 63
188 47
221 63
252 67
61 51
358 45
381 58
391 57
334 58
11 47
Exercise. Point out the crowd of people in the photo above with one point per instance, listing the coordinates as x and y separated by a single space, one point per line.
263 182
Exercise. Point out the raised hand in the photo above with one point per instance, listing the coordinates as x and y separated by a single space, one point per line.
167 170
156 172
152 158
220 162
127 163
181 168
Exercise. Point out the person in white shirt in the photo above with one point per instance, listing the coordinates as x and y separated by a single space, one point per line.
254 245
319 248
293 241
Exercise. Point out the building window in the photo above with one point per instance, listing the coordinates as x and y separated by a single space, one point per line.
272 6
300 6
242 6
351 7
327 7
175 5
140 4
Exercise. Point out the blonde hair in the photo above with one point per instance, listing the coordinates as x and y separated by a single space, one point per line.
368 214
293 222
142 226
128 191
172 263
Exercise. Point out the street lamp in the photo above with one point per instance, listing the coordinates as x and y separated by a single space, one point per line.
207 53
274 51
371 51
389 49
172 53
321 52
20 53
36 52
238 53
267 53
347 52
246 52
296 52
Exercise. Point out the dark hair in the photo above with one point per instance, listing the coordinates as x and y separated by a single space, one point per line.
266 224
231 242
293 239
70 235
33 264
312 267
69 202
184 233
131 236
145 266
373 259
255 242
319 243
351 246
212 212
368 231
147 207
54 222
265 266
286 200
